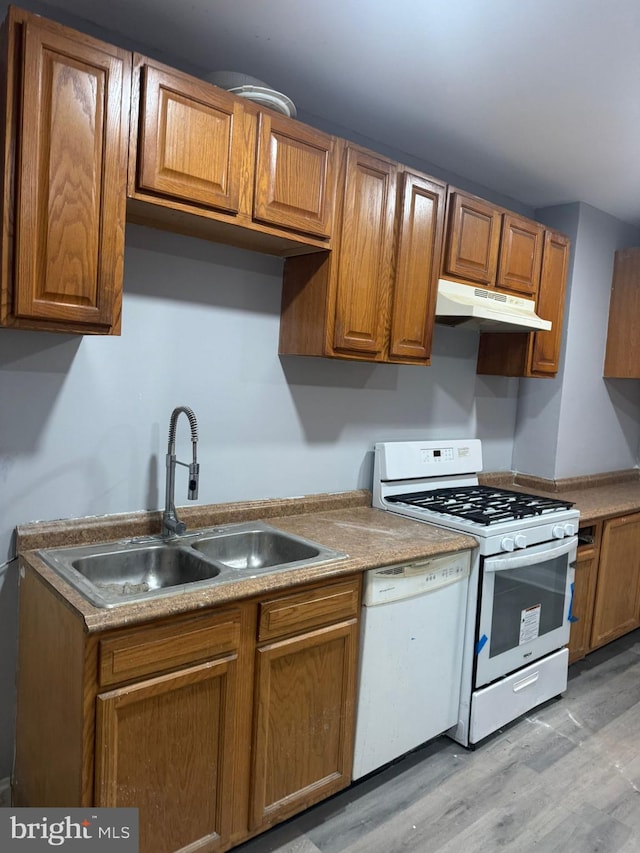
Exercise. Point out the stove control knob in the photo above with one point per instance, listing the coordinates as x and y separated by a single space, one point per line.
521 541
558 532
569 530
507 544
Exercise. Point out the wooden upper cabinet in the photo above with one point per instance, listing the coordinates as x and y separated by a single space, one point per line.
622 356
210 164
191 144
363 280
65 165
420 232
520 256
295 176
533 354
473 239
546 346
492 246
373 297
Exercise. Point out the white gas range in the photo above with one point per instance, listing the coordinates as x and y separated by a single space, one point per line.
521 586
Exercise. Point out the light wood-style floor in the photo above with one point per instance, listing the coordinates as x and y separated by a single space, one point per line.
563 779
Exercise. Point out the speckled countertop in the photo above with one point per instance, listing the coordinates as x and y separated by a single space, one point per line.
597 497
345 522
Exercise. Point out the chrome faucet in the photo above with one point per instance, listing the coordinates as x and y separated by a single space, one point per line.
171 524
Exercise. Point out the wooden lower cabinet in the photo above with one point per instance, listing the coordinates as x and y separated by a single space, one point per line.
214 724
617 602
303 741
584 591
165 746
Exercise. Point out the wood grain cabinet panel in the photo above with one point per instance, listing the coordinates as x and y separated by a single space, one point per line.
617 603
191 143
304 718
305 610
420 234
533 354
154 648
210 164
473 239
165 746
372 298
520 256
546 346
363 279
67 120
622 356
295 176
584 591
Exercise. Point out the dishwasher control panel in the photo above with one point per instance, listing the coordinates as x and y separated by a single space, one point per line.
393 583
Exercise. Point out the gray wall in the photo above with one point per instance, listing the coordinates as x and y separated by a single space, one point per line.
580 423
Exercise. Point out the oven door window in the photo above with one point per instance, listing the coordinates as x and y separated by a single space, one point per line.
527 603
524 607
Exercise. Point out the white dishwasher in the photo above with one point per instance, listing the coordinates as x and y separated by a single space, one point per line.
412 632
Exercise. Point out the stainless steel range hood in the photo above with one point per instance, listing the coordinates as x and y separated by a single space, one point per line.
469 307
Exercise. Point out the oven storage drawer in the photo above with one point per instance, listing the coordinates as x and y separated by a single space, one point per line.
504 701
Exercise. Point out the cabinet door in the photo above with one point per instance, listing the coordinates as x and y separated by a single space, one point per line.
365 254
473 240
545 356
304 723
295 176
535 354
417 268
520 256
71 179
191 144
622 356
584 591
165 746
617 606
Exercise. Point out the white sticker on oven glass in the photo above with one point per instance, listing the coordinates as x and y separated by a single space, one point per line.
530 624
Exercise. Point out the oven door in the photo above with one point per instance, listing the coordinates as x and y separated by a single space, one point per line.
525 607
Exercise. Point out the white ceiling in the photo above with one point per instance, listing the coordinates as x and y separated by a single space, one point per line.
536 99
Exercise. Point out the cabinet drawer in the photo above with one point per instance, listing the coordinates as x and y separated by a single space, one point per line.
143 651
305 610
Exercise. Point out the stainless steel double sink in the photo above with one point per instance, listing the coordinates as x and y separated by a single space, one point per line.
135 570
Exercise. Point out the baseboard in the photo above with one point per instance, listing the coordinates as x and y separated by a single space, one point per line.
5 792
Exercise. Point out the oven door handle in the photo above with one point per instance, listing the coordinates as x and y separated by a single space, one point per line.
529 558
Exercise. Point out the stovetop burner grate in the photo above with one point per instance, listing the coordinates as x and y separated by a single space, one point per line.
482 504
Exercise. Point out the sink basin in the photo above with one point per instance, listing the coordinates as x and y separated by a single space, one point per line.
136 570
128 571
256 550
